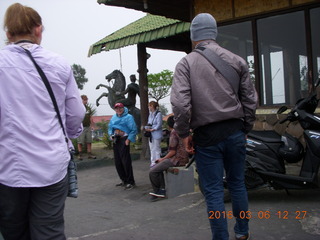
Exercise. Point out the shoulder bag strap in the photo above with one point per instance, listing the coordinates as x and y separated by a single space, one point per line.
48 86
154 116
228 72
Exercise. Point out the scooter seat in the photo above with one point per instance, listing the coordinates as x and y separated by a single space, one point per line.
265 136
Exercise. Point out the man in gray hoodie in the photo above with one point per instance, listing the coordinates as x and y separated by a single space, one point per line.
219 115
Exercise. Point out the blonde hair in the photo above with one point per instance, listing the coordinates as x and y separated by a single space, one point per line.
20 21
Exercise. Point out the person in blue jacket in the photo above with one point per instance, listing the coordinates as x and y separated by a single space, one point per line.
122 130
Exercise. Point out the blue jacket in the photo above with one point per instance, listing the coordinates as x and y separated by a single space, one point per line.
124 123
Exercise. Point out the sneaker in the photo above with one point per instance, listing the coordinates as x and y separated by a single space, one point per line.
91 156
160 194
129 186
120 184
152 165
80 157
245 237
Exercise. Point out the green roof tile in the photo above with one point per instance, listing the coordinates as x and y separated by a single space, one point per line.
146 29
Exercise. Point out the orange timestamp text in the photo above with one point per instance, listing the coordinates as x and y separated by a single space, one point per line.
259 215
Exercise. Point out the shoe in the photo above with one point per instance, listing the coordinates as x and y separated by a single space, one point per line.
80 157
91 156
160 194
120 184
129 186
152 165
245 237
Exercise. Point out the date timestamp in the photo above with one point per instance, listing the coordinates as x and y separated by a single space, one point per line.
259 215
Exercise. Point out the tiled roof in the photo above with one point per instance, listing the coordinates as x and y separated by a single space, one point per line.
97 119
146 29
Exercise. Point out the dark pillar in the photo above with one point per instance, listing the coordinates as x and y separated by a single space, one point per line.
143 84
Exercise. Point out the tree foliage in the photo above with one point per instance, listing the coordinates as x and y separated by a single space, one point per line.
80 75
103 126
159 84
92 109
163 109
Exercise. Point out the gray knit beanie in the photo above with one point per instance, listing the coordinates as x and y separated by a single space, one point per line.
203 27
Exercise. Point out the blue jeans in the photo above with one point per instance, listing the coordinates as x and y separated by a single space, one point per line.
211 161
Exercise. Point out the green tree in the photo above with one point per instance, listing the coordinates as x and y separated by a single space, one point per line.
103 126
92 109
80 75
159 84
163 109
251 72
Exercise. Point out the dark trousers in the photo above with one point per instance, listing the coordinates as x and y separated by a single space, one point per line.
123 161
33 213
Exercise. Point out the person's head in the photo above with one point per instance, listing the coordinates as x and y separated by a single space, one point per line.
84 99
133 78
203 27
119 108
153 106
170 121
22 23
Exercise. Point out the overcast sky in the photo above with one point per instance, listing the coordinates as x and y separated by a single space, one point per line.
71 26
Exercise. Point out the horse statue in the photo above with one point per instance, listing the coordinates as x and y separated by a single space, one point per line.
115 95
118 86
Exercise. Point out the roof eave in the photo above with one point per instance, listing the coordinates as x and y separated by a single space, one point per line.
178 9
162 28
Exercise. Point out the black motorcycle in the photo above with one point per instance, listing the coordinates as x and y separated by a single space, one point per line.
267 152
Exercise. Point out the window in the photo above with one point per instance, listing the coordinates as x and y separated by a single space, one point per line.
237 38
315 39
283 61
280 67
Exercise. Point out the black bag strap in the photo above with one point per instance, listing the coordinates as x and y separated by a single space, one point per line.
228 72
48 86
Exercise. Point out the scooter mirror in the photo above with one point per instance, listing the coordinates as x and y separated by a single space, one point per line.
282 109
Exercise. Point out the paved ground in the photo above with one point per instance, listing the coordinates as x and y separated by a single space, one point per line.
104 211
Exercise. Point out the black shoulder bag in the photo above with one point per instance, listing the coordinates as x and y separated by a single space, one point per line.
228 72
72 167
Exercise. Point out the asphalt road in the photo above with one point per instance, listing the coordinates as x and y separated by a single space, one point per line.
106 212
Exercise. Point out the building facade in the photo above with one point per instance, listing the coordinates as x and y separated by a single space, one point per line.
278 38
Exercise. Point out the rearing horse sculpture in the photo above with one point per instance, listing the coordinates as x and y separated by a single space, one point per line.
118 86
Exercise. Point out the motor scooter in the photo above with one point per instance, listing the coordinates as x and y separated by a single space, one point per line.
268 153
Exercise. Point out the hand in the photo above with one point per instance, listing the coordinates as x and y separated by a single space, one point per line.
188 144
159 160
117 93
127 142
